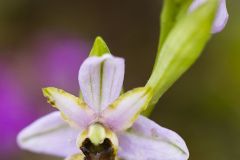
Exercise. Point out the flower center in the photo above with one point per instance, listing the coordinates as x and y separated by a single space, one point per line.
98 143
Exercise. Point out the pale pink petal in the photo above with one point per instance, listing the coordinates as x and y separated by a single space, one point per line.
101 80
125 110
49 135
73 109
147 140
221 17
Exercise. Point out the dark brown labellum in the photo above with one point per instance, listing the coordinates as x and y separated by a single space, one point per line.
104 151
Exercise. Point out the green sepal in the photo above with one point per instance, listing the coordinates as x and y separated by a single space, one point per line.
99 48
181 48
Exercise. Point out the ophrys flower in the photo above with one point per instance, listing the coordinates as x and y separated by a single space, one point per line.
101 123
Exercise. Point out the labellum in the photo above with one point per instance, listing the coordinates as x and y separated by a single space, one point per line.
103 151
98 143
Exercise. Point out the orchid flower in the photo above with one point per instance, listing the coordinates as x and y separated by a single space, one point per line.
101 123
221 17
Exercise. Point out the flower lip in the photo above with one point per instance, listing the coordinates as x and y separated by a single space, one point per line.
98 142
104 151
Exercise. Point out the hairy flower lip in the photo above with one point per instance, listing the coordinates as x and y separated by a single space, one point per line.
105 149
96 134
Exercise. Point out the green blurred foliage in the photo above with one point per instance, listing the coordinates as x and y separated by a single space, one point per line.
203 106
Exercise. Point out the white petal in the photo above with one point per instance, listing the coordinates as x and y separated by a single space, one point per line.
221 17
49 135
73 109
101 80
124 111
149 141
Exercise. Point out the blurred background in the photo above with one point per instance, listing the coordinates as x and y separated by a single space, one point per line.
43 43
